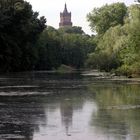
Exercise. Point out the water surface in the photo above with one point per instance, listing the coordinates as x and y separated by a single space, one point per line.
48 106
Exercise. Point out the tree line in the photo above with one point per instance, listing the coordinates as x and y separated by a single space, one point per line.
20 28
27 43
117 39
68 46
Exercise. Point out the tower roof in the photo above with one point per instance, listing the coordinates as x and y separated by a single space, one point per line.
65 9
65 18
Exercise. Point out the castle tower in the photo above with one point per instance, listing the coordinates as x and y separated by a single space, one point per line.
65 18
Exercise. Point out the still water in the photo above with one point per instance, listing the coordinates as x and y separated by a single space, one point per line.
48 106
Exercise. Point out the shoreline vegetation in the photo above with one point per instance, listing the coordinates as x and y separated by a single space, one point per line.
28 44
65 69
110 77
96 74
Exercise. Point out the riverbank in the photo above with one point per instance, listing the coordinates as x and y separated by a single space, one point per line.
68 70
108 76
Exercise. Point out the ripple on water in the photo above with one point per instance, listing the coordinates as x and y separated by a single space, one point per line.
11 136
23 93
124 107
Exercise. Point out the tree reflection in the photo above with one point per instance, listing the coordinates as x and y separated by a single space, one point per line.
118 110
70 101
19 120
66 114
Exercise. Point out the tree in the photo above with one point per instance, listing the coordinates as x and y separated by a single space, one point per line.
119 46
101 19
130 51
72 30
75 48
19 30
49 50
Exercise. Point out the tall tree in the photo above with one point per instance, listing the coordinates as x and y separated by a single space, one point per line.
122 43
101 19
19 30
49 50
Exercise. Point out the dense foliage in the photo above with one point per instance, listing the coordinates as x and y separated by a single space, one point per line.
27 44
118 42
68 46
19 29
101 19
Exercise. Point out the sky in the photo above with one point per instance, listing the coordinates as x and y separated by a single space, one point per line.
79 8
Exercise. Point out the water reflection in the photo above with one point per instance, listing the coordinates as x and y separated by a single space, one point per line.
19 120
66 107
118 113
78 108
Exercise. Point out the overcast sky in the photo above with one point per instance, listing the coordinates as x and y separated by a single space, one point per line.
79 8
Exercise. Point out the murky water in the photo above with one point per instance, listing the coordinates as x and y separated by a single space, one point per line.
47 106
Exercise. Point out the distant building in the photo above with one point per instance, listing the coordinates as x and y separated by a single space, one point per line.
65 18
